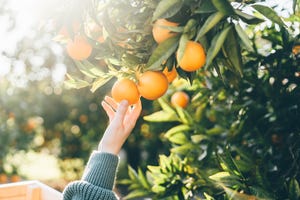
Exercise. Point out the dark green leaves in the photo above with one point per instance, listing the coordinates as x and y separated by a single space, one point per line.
269 13
216 45
231 51
162 53
223 6
210 22
166 9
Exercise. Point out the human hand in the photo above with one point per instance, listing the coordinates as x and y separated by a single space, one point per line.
122 119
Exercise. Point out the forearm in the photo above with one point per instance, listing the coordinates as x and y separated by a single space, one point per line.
97 181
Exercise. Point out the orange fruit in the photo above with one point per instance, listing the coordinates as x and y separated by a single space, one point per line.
152 84
125 89
171 75
160 31
3 178
79 48
296 49
193 57
15 178
180 99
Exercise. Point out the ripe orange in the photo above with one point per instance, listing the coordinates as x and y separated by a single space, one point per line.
193 57
15 178
296 49
79 48
161 33
180 99
125 89
3 178
152 84
171 75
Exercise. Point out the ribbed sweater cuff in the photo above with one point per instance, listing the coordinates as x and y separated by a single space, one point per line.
101 169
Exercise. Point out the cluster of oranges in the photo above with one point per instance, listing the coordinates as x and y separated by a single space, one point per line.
5 178
153 84
194 56
149 84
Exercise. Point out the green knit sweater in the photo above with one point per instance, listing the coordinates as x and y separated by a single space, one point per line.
97 181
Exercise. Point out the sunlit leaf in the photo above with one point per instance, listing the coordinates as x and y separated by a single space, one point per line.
184 116
178 138
219 176
136 193
161 116
99 82
76 83
176 129
165 106
183 149
294 189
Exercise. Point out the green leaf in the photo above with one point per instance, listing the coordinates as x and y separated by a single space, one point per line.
136 193
231 51
99 82
165 106
183 149
205 7
161 116
216 45
224 6
178 138
260 193
216 130
177 129
210 22
84 70
143 179
249 19
198 138
294 189
269 13
130 61
244 37
162 52
76 83
182 45
219 176
184 116
166 9
228 164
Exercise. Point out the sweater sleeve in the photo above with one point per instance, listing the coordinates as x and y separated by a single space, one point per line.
97 181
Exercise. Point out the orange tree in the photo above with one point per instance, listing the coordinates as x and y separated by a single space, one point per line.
239 136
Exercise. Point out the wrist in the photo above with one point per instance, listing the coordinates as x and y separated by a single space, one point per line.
112 149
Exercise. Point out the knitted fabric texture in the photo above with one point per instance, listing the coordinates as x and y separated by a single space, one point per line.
97 181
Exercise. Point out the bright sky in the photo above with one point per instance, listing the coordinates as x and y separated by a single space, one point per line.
28 13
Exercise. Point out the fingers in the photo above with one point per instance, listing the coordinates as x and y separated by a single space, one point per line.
108 109
121 110
111 102
133 115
